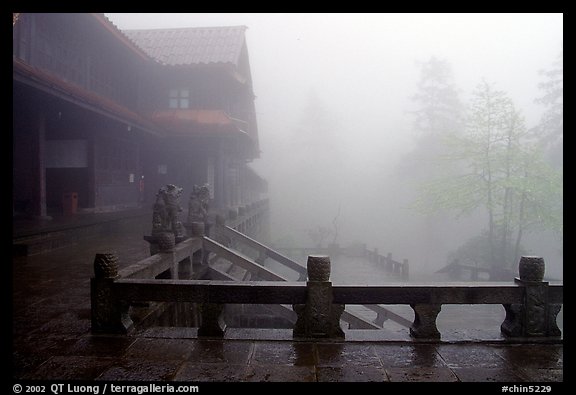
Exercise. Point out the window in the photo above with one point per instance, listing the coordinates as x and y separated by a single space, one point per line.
179 98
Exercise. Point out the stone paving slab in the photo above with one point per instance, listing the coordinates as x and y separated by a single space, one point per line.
354 374
540 356
475 374
543 375
223 352
101 346
140 370
283 353
70 368
209 372
280 373
151 359
160 349
409 355
419 374
471 355
345 354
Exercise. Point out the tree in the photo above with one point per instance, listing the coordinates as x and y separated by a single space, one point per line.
439 107
438 112
500 170
551 127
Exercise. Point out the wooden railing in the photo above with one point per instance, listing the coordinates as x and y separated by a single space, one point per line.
531 304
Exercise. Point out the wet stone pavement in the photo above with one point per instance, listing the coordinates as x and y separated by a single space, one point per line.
52 340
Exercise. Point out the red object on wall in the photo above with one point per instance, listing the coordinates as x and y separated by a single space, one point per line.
70 203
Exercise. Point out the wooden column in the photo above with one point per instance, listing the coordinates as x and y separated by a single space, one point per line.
39 200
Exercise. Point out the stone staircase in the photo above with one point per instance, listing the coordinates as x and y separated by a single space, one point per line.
231 261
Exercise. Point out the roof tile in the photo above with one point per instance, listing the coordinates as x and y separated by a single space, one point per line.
191 46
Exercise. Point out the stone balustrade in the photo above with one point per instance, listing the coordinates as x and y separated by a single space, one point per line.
531 304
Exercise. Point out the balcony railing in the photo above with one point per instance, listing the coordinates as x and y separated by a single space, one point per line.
531 304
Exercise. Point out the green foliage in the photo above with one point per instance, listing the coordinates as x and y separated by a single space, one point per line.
476 252
494 165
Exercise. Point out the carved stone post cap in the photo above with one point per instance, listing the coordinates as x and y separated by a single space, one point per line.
106 265
166 241
318 267
531 268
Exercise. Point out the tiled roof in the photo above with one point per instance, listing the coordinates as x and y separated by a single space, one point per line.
191 46
112 28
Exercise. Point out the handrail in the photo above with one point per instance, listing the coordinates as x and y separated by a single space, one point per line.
425 300
248 264
152 266
294 292
240 260
210 291
270 253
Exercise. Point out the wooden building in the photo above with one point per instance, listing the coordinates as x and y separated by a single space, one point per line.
102 118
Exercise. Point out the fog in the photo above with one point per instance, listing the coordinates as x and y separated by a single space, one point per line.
333 101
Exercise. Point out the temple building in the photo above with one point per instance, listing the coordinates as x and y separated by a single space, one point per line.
102 118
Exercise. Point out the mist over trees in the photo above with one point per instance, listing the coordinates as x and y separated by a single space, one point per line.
551 127
438 113
310 168
494 165
439 107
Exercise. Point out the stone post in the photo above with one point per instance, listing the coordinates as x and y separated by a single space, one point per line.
424 325
212 324
108 314
197 229
162 241
319 317
534 317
